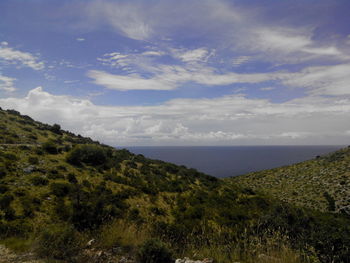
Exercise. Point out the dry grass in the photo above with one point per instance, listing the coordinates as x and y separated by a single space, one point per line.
122 234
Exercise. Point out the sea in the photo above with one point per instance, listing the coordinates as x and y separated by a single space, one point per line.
226 161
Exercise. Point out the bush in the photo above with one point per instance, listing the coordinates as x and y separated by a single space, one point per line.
50 147
154 251
71 178
88 154
54 174
60 189
37 180
10 156
33 160
56 129
3 172
5 201
3 188
58 242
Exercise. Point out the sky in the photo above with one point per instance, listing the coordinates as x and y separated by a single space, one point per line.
184 72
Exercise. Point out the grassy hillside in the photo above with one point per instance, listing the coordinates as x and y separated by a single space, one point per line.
322 183
59 190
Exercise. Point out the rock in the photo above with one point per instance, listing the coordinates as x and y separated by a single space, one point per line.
187 260
29 169
89 244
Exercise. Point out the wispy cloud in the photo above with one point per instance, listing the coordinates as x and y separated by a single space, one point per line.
267 88
240 60
130 82
289 44
160 76
322 80
192 56
13 56
129 19
7 83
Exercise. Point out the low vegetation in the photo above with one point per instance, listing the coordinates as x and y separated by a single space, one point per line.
320 184
59 192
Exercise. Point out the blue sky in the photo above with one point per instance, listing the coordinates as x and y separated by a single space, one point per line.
194 72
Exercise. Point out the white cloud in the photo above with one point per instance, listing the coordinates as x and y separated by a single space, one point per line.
267 88
192 56
281 39
171 77
160 76
128 18
226 120
130 82
240 60
7 83
13 56
322 80
80 39
224 23
153 53
288 44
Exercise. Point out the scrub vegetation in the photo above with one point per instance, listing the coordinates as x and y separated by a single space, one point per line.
67 198
321 184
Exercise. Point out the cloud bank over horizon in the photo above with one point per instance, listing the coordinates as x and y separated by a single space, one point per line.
226 73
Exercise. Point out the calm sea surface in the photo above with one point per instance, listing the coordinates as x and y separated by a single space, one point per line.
231 161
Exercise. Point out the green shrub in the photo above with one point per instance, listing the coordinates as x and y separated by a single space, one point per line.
33 137
86 183
54 174
3 188
3 172
50 147
88 154
18 227
330 201
158 211
56 128
71 178
13 112
39 151
60 189
37 180
58 242
5 200
154 251
33 160
10 156
61 167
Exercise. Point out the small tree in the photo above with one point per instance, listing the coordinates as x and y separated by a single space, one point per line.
56 129
88 154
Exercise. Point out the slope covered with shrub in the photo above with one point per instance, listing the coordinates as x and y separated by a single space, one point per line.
59 190
322 183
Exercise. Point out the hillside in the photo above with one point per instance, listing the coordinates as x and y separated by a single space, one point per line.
67 198
322 183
